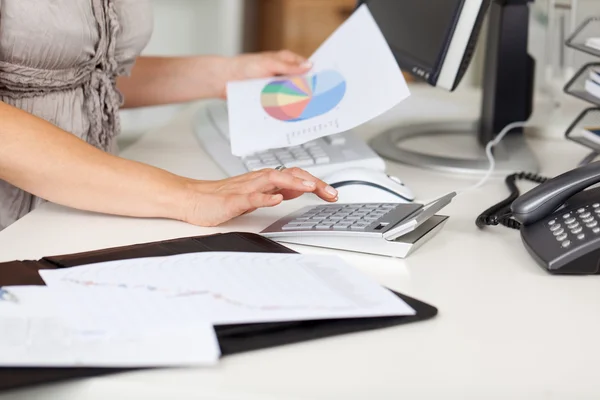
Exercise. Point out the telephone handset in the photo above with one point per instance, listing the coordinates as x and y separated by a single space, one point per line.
560 221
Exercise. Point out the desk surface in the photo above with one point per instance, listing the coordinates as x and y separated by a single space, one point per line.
506 329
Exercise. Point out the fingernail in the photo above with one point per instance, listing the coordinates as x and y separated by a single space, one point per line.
306 64
309 184
331 191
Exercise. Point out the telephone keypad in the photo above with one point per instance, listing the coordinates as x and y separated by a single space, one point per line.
580 225
555 227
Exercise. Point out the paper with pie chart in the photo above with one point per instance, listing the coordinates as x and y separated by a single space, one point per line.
354 79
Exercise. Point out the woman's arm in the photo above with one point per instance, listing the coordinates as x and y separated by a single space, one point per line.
168 80
41 159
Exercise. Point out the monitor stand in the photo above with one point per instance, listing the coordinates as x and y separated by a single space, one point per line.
512 154
508 87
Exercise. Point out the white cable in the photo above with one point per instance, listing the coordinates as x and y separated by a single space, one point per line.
490 156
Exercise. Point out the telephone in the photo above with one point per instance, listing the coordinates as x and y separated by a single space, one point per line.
559 220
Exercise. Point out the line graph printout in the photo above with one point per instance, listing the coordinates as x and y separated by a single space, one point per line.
233 287
354 79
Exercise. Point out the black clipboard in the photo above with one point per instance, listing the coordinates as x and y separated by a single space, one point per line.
233 339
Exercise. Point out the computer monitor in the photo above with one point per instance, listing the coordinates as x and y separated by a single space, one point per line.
435 41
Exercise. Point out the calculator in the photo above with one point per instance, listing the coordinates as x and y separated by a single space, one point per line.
392 229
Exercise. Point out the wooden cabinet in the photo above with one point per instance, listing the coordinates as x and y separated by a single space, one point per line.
299 25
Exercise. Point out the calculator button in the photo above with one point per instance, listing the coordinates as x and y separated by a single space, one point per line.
585 215
566 216
554 228
581 236
592 224
596 205
292 227
566 243
570 220
562 237
552 222
596 230
588 220
577 230
341 227
559 232
581 210
359 227
573 226
323 226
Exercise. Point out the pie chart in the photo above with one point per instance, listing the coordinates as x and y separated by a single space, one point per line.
305 97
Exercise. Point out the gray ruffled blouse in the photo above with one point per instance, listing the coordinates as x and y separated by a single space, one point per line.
59 60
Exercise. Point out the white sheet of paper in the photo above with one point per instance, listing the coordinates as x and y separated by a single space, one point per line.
355 78
232 287
99 327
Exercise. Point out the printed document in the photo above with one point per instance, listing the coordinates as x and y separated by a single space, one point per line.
98 327
234 287
354 79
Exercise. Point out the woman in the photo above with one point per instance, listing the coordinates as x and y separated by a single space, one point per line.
66 66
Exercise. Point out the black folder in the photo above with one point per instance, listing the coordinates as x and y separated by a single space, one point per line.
232 338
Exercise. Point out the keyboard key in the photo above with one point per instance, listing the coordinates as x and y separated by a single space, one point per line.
335 140
585 215
300 163
322 160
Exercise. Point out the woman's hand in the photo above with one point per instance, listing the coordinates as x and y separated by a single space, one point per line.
213 203
263 65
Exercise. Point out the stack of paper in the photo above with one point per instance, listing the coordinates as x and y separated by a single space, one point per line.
355 78
161 311
92 327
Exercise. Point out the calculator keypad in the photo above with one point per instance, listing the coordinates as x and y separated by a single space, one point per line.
354 217
576 226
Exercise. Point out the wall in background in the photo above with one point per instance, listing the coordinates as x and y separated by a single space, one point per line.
185 27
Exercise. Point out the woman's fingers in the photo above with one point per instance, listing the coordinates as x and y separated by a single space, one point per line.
270 180
322 189
285 62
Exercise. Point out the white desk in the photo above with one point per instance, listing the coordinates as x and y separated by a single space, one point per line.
505 330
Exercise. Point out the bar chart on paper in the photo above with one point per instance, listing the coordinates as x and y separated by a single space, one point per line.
302 98
230 288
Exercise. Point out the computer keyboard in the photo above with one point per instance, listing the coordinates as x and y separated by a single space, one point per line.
319 157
